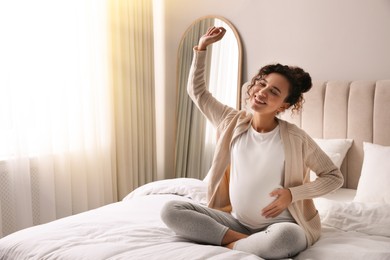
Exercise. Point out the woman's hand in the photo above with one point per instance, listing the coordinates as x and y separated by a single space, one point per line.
212 35
282 201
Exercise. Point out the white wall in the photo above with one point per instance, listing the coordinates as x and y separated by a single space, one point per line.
332 40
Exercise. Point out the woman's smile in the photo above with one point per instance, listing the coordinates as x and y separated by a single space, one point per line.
259 101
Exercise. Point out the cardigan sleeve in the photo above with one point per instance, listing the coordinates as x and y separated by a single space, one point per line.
214 110
329 178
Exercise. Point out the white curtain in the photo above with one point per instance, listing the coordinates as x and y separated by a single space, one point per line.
133 85
57 155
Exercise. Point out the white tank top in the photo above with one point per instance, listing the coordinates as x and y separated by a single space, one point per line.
257 167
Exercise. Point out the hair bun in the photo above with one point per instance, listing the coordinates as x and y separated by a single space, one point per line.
302 79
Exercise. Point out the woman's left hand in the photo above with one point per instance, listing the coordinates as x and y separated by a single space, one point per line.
282 201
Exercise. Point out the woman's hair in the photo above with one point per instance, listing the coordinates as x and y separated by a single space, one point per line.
300 82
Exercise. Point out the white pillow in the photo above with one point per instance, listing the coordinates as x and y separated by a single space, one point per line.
336 149
374 179
335 146
187 187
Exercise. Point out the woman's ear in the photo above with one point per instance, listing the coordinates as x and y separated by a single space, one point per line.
284 107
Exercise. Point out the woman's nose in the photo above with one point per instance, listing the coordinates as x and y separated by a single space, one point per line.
261 92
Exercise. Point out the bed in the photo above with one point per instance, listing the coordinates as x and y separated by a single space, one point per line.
351 123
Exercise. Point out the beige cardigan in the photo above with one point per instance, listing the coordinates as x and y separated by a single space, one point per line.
301 155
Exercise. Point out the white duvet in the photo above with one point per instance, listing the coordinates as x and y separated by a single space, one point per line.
132 229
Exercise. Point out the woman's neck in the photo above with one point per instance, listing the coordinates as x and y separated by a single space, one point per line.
264 124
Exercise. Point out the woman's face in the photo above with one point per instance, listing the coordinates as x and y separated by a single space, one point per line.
268 95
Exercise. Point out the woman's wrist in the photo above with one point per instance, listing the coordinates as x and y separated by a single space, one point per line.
199 48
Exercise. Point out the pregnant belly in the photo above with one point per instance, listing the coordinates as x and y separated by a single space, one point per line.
248 206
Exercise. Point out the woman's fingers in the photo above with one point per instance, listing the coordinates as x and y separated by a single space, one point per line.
215 30
276 207
209 30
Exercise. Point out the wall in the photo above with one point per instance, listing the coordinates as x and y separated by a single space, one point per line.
333 40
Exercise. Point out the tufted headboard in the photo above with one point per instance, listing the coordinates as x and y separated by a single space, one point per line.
358 110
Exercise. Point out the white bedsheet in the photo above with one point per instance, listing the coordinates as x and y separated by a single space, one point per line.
367 218
132 229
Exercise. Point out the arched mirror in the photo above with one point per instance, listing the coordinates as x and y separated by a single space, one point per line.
195 137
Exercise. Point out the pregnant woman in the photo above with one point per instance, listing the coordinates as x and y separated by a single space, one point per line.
259 193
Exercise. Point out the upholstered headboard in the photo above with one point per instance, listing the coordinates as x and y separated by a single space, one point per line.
358 110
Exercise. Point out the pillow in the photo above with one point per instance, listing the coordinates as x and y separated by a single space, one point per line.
335 146
187 187
336 149
374 179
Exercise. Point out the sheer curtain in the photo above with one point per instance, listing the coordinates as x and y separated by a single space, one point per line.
133 84
57 152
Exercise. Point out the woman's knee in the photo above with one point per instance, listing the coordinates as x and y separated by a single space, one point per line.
170 212
288 235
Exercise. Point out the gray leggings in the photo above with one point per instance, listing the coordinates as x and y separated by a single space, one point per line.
205 225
